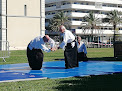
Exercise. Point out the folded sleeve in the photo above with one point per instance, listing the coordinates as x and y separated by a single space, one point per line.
85 50
62 45
44 48
52 43
64 42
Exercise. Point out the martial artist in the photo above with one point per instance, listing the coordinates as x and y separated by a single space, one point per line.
82 51
35 48
70 48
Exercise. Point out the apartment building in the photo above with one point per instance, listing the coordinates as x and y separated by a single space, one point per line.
77 9
21 21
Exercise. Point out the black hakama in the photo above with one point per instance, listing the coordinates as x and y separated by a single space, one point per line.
70 55
35 58
82 56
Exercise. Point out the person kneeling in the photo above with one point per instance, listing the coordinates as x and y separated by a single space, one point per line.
81 56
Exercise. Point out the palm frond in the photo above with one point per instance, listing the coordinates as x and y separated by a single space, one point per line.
60 18
114 17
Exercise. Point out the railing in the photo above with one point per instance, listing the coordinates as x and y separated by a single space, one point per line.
98 45
4 49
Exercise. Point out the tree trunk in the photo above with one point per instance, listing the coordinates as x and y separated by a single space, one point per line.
114 38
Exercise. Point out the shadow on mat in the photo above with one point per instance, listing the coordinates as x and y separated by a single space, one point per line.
54 67
92 83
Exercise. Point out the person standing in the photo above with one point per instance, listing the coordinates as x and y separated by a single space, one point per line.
70 48
82 51
35 48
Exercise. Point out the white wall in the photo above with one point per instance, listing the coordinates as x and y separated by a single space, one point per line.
22 29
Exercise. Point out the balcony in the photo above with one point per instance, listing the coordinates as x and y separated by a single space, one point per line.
96 32
91 7
53 1
81 7
76 22
49 16
80 14
68 6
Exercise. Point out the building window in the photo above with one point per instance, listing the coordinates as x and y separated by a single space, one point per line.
79 27
25 10
110 28
101 28
58 4
53 13
104 5
120 28
76 3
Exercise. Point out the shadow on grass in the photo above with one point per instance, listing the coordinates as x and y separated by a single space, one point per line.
111 82
59 59
106 59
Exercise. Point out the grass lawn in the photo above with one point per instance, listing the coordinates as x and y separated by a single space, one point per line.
91 83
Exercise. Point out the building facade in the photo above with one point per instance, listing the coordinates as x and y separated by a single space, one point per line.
3 20
77 9
21 21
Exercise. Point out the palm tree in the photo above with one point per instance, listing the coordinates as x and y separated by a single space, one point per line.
92 21
60 18
114 18
53 25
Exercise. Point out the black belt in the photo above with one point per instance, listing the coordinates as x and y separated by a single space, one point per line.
73 41
69 44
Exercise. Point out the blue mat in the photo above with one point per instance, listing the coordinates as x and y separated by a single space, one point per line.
56 69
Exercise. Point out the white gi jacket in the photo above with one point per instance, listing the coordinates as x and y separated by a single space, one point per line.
38 43
68 37
81 47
